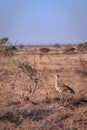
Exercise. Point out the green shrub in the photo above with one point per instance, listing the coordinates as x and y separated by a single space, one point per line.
12 47
83 44
82 47
9 50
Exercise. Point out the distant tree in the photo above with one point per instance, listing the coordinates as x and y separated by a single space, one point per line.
3 40
56 45
21 46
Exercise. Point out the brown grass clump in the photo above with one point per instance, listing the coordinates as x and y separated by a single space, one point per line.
44 50
27 68
72 128
10 117
68 49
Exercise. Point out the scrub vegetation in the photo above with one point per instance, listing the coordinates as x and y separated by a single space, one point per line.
28 98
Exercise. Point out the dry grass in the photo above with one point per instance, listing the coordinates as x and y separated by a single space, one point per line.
68 49
28 99
83 65
44 50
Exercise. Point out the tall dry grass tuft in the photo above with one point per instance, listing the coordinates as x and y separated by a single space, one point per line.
83 66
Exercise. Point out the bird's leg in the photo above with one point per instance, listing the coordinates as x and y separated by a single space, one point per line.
61 98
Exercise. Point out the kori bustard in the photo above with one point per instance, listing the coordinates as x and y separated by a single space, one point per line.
62 88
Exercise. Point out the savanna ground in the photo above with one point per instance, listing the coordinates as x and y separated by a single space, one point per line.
28 98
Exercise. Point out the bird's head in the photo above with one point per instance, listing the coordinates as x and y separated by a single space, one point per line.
57 76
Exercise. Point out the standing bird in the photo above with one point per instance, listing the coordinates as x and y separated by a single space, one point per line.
62 88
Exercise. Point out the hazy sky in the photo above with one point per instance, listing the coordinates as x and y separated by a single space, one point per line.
37 21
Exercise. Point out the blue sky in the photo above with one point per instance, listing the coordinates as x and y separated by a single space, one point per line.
44 21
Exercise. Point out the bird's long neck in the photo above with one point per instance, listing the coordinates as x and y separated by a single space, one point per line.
57 84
